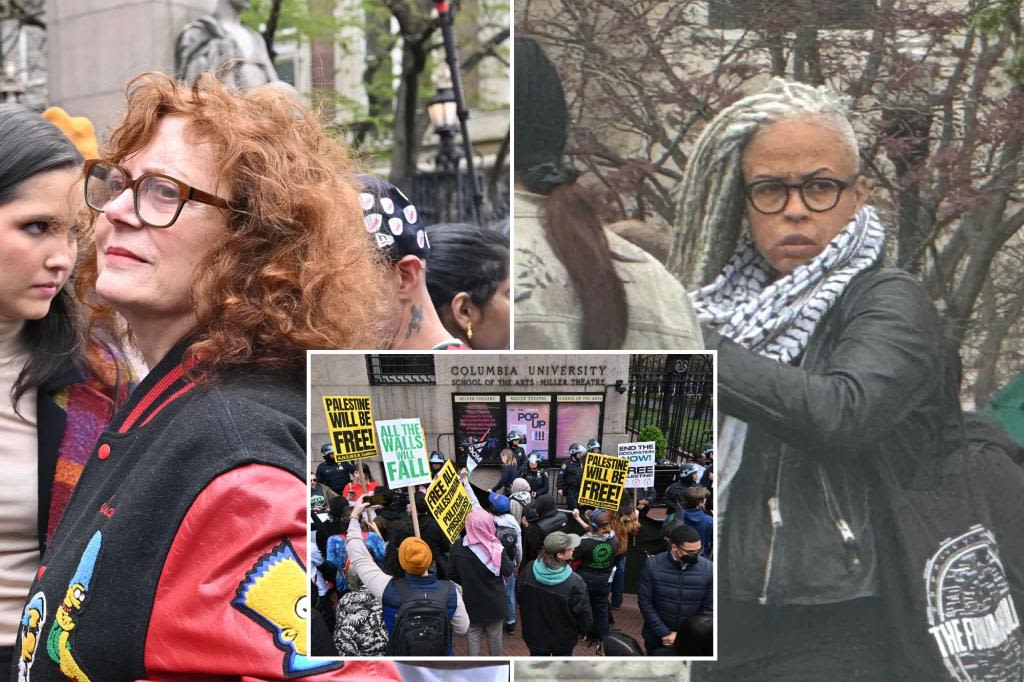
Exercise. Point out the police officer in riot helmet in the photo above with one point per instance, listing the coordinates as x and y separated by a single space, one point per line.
593 445
436 462
571 475
335 476
535 476
688 474
513 440
686 479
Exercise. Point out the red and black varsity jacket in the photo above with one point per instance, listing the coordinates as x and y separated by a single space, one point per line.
180 552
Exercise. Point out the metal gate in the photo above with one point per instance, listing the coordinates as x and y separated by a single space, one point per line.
674 393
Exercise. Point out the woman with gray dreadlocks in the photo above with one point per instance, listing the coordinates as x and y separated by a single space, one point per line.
828 363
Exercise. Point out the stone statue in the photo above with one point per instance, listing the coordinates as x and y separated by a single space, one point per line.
210 42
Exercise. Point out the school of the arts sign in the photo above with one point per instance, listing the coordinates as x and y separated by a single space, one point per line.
535 373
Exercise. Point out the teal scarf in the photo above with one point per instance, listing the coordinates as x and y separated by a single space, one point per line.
550 576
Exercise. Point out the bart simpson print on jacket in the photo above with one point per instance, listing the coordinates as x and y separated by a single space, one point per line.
58 643
274 594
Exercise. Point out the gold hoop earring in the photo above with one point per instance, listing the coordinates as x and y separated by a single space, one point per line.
469 331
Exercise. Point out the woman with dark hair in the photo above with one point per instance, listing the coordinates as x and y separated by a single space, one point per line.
467 277
228 236
56 389
362 483
619 295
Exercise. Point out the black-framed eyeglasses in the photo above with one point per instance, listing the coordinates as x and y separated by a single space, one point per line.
158 198
818 194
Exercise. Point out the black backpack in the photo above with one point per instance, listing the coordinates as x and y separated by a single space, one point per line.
507 538
422 627
618 643
549 524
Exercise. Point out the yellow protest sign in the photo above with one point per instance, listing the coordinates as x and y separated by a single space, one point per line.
350 423
604 477
448 501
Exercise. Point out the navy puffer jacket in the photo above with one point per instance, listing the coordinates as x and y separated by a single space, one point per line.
668 592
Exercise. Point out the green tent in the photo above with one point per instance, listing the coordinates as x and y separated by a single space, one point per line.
1007 408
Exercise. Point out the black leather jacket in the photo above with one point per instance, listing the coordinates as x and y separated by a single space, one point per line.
869 385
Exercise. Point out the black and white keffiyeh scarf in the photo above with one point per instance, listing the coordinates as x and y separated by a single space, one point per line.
776 319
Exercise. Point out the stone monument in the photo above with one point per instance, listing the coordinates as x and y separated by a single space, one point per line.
220 43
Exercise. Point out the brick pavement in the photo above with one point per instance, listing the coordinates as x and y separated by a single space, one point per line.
627 619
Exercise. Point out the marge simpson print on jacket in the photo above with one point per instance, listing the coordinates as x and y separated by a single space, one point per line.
58 643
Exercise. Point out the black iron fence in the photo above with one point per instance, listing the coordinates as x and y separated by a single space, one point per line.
674 393
447 198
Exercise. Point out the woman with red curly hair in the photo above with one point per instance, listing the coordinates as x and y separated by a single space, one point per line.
228 237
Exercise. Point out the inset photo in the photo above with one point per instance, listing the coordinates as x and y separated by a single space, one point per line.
504 505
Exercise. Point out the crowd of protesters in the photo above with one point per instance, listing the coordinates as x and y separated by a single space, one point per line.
521 561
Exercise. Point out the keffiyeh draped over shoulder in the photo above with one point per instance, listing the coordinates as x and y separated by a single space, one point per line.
776 319
482 540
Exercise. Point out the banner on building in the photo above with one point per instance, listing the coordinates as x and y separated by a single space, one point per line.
448 501
403 449
478 434
530 417
578 420
350 425
641 463
604 477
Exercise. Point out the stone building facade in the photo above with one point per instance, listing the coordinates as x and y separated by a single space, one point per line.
474 399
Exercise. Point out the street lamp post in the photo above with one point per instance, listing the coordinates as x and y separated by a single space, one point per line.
443 115
446 189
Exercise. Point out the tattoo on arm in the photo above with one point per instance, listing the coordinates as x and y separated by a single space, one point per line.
415 321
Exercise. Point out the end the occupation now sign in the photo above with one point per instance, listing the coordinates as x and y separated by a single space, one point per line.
403 449
604 477
641 463
350 423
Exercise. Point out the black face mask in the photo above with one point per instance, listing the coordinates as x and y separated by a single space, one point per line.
689 559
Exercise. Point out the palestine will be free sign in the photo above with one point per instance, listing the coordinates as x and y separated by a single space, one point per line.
448 501
350 423
403 449
603 481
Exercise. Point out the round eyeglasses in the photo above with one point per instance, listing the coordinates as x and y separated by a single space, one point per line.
158 198
818 194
